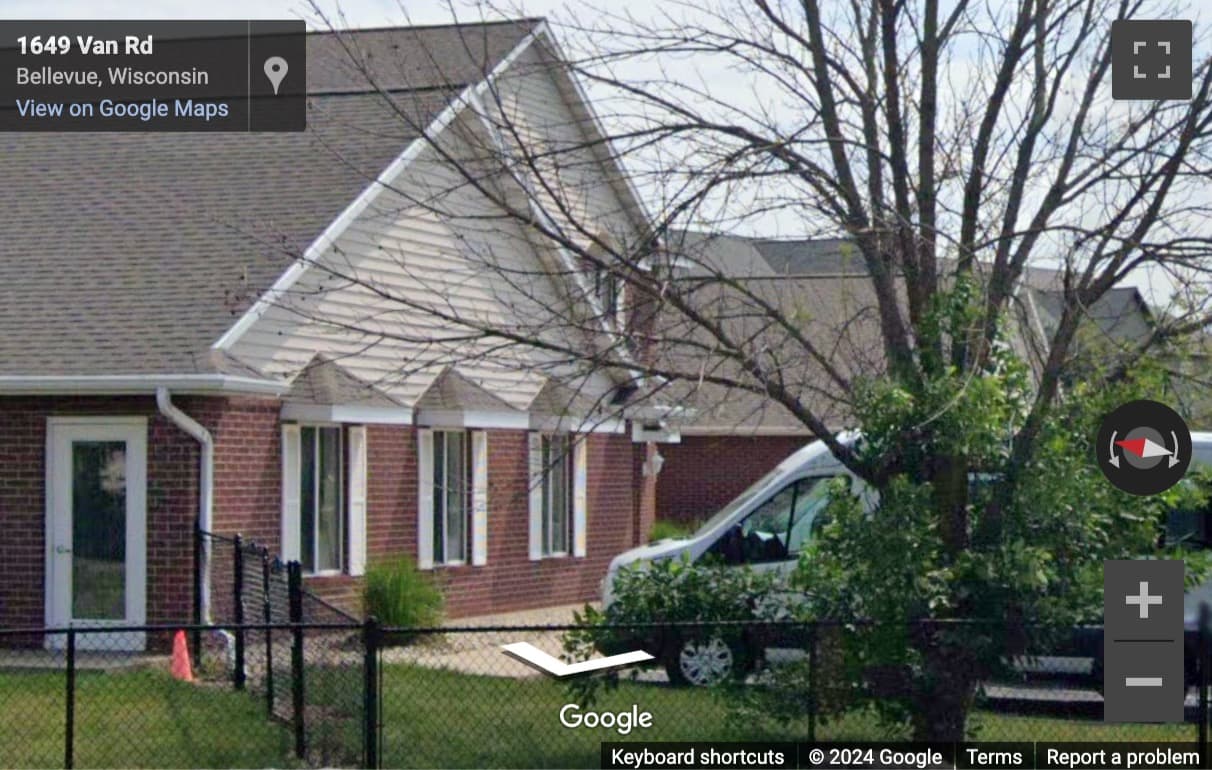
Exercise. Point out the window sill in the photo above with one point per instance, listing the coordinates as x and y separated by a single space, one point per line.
455 565
328 573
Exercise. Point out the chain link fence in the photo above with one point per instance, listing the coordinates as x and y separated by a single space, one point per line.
282 678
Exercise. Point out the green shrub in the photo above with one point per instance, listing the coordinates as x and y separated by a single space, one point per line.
398 594
663 529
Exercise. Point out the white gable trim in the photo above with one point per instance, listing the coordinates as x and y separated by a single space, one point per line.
472 418
357 415
338 226
577 424
747 431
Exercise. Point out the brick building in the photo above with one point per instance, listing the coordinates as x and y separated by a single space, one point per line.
178 352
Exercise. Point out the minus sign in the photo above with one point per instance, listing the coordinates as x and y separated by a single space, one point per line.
1142 681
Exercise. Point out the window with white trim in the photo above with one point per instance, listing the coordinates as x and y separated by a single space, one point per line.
557 493
322 526
451 496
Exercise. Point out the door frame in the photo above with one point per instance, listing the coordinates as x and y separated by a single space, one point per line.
57 576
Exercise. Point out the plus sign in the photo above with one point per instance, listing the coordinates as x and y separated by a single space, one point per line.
1144 600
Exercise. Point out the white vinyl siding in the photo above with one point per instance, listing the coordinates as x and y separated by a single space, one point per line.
447 242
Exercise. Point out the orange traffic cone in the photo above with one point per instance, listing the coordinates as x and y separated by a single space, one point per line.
180 667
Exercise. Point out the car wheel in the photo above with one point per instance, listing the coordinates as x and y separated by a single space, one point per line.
703 662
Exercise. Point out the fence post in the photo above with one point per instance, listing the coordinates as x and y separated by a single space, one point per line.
370 700
197 615
267 614
1202 651
812 691
69 728
238 606
294 575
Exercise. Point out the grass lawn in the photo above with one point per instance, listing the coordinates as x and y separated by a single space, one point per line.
443 719
431 718
140 718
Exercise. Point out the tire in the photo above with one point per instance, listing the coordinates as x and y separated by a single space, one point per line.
704 662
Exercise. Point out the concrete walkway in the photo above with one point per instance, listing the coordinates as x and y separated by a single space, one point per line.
479 652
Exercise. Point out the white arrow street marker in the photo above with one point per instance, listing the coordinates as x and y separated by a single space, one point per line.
536 658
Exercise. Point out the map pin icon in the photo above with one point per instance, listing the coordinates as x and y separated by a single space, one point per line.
275 70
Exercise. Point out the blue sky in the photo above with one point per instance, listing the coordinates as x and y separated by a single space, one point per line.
361 13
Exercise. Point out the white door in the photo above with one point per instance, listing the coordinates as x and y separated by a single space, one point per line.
96 525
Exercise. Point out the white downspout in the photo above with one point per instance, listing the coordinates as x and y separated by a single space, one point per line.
206 497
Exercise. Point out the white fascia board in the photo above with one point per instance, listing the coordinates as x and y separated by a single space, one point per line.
662 435
660 412
472 418
138 384
577 424
347 414
742 431
338 226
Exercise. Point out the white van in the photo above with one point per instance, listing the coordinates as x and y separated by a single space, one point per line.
768 525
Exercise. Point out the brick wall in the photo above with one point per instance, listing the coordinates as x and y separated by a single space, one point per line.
246 488
247 500
509 581
703 473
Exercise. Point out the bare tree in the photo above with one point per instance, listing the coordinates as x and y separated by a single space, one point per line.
955 146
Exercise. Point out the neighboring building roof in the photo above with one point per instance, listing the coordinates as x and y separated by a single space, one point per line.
325 382
824 289
130 254
729 254
811 256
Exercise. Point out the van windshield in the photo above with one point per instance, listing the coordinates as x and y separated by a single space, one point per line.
737 502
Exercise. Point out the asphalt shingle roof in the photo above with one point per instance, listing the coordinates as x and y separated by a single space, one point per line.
452 391
823 287
132 253
324 381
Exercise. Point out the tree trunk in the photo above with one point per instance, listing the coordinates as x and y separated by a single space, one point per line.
944 691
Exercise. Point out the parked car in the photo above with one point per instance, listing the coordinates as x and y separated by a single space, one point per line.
768 525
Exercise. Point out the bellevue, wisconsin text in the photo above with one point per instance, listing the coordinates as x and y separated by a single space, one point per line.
118 76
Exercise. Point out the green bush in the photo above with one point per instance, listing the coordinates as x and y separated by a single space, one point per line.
663 529
400 595
668 591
